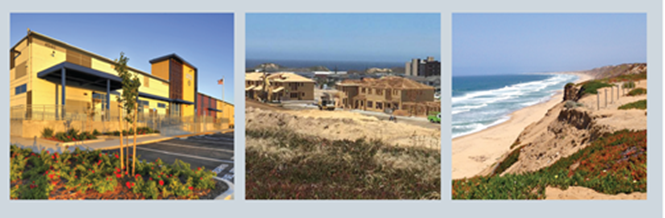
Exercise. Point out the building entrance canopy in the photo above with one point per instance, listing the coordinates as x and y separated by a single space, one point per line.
81 77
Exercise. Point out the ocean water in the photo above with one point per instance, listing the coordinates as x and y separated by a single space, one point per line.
480 102
341 65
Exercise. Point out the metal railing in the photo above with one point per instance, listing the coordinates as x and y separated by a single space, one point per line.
86 119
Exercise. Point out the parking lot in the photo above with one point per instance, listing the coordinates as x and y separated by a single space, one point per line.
214 152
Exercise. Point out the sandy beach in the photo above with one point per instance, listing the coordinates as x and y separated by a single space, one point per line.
475 152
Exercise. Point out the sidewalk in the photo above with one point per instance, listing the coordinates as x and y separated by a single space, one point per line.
37 144
381 114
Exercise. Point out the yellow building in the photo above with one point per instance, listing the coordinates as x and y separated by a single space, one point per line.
51 80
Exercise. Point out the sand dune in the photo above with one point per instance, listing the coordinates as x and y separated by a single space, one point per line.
474 153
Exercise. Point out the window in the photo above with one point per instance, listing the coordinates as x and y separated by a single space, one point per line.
379 91
21 89
369 91
161 105
303 94
362 90
99 96
143 104
175 110
369 104
379 105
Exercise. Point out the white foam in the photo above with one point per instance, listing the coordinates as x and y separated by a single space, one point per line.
480 99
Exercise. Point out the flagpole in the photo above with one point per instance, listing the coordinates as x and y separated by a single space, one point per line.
223 110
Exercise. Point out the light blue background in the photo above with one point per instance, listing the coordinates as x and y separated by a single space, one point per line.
379 208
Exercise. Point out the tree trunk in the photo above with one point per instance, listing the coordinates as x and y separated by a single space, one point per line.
122 166
136 111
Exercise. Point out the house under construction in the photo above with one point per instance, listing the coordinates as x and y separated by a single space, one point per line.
391 92
278 86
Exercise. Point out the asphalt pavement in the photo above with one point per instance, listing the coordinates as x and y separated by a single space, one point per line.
214 152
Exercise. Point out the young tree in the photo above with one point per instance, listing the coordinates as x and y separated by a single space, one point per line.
130 93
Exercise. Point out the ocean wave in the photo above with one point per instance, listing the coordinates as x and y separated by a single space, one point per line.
477 127
473 109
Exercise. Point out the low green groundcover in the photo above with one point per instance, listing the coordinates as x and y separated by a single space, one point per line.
94 175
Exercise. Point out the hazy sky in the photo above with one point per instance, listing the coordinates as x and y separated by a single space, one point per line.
343 37
519 43
204 40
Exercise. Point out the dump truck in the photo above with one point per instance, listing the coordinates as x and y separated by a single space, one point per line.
434 117
326 102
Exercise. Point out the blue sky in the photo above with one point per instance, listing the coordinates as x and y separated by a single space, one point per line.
521 43
343 37
204 40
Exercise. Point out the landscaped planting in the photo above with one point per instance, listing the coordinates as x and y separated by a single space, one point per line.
96 175
70 135
139 131
293 166
612 164
641 104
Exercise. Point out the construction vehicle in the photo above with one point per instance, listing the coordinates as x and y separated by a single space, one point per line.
434 117
326 102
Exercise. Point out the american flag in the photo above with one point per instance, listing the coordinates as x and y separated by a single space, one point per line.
220 82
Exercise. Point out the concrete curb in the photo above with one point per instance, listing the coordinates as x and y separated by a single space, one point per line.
138 136
74 143
167 138
228 194
137 144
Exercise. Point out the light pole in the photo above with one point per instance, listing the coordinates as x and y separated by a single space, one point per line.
221 82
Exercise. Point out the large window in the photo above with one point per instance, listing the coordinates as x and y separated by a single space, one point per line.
21 89
161 105
175 110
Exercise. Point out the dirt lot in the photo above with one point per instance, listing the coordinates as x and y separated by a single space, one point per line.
338 125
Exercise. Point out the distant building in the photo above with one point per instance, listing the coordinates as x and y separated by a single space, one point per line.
390 92
423 67
329 72
282 86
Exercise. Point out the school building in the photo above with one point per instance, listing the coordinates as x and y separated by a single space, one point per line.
51 80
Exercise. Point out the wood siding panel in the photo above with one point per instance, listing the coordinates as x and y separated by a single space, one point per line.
175 69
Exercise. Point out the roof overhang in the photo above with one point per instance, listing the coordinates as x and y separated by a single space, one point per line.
81 77
160 98
171 56
154 97
214 109
278 89
180 101
249 88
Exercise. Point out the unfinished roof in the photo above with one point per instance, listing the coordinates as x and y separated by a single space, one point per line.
277 77
388 82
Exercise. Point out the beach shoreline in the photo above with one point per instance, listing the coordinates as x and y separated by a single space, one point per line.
474 152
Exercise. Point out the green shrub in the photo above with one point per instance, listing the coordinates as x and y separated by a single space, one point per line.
47 133
96 133
628 85
591 87
637 91
641 104
72 132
